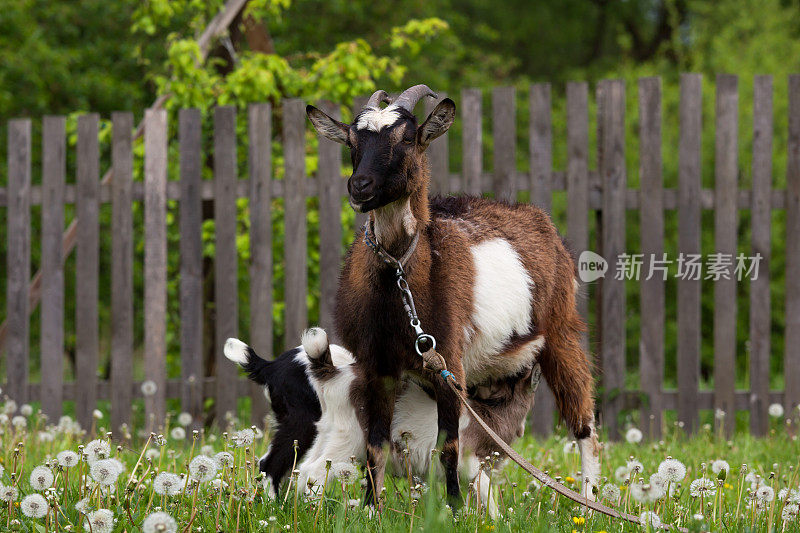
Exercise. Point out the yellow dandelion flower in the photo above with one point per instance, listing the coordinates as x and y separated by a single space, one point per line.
569 479
578 520
727 486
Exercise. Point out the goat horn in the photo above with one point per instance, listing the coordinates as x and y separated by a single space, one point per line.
376 99
412 95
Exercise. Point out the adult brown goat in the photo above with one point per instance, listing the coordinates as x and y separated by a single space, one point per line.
493 283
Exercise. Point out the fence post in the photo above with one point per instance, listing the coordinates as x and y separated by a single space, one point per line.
295 243
260 161
540 147
155 263
191 265
87 267
18 258
54 171
651 217
505 141
760 221
329 184
472 141
691 114
226 287
614 178
121 270
725 217
792 347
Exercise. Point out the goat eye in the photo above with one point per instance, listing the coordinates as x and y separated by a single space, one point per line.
408 141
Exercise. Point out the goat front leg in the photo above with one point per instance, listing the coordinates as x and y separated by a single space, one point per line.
448 408
377 401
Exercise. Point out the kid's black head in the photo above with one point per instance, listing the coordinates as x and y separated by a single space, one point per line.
386 145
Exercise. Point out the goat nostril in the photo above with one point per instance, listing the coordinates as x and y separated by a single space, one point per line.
361 183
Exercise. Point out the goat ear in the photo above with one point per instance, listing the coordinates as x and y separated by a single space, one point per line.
438 122
328 127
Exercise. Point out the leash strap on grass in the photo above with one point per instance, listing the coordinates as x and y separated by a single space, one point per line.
543 478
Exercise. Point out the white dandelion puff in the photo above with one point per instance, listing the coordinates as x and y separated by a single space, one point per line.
100 521
207 449
243 438
775 410
34 506
659 481
26 410
622 474
634 466
765 493
184 419
790 512
105 472
8 493
46 436
19 422
67 458
83 506
178 433
672 470
149 387
225 459
97 450
167 484
650 518
646 492
41 478
152 454
10 407
610 492
97 414
702 487
159 522
203 468
719 465
633 435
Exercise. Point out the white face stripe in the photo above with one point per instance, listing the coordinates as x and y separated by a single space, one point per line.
375 119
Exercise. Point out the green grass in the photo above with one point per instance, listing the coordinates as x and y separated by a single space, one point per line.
243 505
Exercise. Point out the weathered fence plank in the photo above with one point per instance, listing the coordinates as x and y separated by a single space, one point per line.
651 217
791 366
54 173
87 267
330 221
18 258
226 289
472 141
121 268
540 146
438 154
155 263
612 170
540 149
295 243
689 243
191 265
260 162
760 222
725 217
505 142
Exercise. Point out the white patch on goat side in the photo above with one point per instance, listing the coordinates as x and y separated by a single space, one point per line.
236 351
502 304
415 425
590 463
375 119
315 342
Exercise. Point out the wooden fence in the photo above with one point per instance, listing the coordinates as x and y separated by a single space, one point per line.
589 194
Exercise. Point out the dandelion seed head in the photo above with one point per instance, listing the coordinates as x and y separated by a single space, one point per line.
719 465
8 493
105 471
790 512
225 459
775 410
26 410
202 468
622 474
167 484
97 450
83 506
41 478
101 521
765 493
633 435
97 414
651 518
243 438
34 506
19 422
610 492
10 407
702 487
672 470
149 387
184 419
178 433
570 446
67 458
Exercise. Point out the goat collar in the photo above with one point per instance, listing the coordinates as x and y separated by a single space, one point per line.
372 242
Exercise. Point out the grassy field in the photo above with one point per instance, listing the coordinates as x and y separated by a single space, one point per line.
123 483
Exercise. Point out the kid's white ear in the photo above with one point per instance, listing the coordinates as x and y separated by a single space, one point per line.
328 127
438 122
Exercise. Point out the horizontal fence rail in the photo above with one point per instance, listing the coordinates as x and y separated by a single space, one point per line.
598 202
